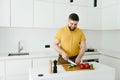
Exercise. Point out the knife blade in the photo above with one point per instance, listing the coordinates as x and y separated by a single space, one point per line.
71 62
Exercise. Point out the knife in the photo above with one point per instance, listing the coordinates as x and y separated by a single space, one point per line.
71 62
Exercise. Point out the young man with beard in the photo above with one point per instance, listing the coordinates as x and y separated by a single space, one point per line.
70 41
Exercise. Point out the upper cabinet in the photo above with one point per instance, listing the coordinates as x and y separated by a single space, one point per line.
21 13
83 3
90 17
110 14
61 11
4 13
54 13
43 13
89 14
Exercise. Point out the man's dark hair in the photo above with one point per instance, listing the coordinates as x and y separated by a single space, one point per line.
74 16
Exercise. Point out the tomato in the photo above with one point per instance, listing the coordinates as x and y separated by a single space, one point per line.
87 65
82 66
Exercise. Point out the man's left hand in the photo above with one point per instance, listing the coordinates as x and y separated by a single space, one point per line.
77 60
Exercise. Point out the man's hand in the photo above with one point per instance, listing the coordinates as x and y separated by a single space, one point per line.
81 52
65 56
77 60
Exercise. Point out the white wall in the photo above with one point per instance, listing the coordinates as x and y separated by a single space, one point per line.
34 39
111 40
111 25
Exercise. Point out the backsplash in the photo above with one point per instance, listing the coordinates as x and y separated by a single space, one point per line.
32 39
111 40
35 39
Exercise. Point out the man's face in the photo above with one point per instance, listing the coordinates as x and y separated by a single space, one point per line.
72 24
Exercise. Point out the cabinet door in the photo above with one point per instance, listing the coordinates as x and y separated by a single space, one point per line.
17 69
42 65
40 62
4 13
110 17
21 13
43 13
2 70
83 3
61 13
37 63
90 17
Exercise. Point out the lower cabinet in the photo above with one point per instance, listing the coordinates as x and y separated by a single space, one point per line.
113 62
39 62
2 70
18 69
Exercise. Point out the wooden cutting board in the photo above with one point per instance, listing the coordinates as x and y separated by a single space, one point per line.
65 66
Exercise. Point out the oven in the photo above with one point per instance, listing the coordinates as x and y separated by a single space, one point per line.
91 57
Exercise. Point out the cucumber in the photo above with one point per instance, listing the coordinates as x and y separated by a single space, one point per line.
71 66
91 66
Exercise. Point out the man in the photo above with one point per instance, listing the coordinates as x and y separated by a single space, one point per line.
70 41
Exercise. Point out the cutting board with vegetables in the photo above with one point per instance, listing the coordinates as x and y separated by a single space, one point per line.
68 67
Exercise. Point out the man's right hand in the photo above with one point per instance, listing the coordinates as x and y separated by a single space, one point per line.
65 56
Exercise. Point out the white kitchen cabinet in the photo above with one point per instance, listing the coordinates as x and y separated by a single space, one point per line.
55 13
4 13
51 13
21 13
90 16
61 13
40 62
2 70
113 62
37 63
43 13
101 72
110 17
18 69
83 3
110 14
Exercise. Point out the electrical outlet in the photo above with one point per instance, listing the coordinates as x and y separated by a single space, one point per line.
71 1
47 46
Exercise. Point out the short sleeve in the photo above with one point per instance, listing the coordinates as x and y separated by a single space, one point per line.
58 35
83 37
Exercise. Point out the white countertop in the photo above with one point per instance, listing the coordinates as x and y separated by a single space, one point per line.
101 72
111 53
43 53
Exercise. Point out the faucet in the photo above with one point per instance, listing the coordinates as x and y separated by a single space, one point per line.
20 47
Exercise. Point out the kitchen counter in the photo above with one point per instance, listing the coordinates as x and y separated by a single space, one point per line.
43 53
101 72
111 53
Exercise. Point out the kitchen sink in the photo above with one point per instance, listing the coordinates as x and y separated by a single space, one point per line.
17 54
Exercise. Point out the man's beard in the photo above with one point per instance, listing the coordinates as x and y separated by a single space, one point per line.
71 28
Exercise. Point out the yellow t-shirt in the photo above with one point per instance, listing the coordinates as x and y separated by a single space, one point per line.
70 40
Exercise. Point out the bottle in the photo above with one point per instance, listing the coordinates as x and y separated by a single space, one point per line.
55 66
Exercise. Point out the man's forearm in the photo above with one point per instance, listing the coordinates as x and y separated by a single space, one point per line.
82 50
58 49
81 53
